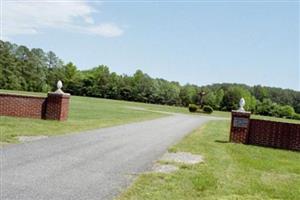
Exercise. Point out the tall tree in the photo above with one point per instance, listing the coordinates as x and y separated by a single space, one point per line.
22 68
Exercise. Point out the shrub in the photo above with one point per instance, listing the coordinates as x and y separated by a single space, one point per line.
208 109
296 116
268 108
286 111
192 108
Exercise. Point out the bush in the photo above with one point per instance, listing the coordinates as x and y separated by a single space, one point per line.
296 116
268 108
286 111
208 109
192 108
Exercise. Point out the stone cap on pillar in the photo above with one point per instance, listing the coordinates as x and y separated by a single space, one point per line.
64 95
59 91
241 110
59 86
57 104
238 113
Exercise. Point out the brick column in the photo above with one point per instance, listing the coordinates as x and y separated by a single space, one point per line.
57 107
240 125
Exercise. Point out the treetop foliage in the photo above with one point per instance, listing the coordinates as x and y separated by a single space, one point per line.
35 70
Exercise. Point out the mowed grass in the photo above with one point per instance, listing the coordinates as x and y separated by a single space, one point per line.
85 113
150 107
276 119
90 113
231 171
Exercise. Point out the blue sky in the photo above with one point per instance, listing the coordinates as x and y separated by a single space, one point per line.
190 42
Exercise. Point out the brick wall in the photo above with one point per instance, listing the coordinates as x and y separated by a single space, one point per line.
274 134
55 106
22 106
239 131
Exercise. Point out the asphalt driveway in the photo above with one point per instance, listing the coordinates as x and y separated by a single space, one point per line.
96 164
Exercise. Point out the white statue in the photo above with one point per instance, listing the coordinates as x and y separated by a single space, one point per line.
59 86
242 104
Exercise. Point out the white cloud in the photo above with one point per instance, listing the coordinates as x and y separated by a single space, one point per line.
21 18
106 30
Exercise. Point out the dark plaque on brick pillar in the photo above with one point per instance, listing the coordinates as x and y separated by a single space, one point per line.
57 104
240 124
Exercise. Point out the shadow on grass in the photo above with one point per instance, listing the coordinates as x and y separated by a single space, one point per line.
202 112
222 141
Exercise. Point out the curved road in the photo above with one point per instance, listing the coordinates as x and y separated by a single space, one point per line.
96 164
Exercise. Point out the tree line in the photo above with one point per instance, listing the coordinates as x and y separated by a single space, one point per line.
33 69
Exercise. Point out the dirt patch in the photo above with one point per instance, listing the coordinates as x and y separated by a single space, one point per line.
31 138
182 157
136 108
159 168
272 177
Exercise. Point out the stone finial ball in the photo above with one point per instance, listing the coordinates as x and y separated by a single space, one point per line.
59 84
242 102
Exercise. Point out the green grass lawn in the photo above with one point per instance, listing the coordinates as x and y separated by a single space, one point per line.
231 171
85 113
294 121
90 113
151 107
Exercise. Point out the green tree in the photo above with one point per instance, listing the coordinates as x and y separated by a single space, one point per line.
36 70
260 92
72 79
188 94
210 99
219 98
232 97
11 76
141 86
286 111
100 78
267 107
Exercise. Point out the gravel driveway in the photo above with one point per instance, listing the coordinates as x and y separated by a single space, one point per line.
96 164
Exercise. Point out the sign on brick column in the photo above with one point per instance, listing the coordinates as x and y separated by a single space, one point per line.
240 124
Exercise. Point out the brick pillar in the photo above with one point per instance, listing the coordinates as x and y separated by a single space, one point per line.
57 107
240 125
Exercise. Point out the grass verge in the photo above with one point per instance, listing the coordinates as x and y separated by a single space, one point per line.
85 113
230 171
148 106
91 113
